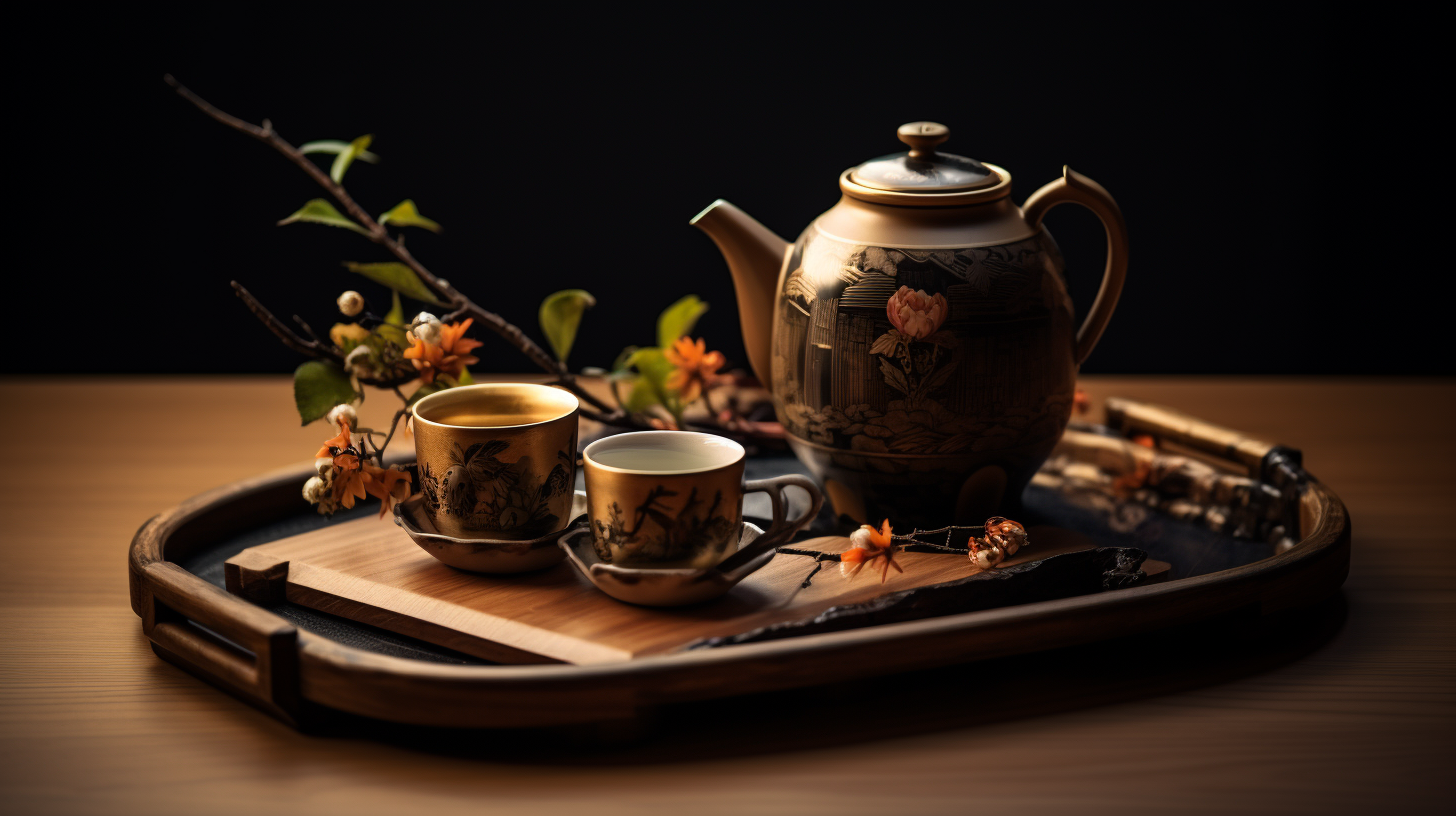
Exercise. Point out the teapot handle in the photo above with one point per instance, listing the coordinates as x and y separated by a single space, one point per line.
1079 189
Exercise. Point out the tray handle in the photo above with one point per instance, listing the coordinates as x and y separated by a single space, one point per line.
221 638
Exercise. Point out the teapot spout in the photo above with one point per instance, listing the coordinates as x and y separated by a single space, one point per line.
755 256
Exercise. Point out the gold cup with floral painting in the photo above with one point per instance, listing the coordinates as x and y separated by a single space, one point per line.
497 460
674 499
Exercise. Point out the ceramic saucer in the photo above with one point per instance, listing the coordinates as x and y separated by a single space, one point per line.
483 554
659 587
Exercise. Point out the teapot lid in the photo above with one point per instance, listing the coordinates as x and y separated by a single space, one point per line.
922 173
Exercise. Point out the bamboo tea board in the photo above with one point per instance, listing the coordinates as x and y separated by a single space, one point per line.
368 570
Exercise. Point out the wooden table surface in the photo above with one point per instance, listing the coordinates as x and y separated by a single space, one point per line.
1350 707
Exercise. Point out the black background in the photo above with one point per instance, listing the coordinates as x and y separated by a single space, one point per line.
569 151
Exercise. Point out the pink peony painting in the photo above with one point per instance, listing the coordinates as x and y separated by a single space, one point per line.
915 358
915 314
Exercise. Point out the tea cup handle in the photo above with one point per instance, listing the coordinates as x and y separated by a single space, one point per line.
781 530
1076 188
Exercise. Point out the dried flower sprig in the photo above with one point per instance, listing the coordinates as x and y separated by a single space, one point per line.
870 545
1002 539
345 472
438 350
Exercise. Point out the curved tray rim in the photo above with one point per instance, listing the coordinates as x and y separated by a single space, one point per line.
288 665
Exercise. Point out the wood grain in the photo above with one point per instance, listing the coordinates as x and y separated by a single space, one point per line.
370 571
1350 711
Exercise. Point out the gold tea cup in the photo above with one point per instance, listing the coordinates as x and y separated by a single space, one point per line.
674 500
497 460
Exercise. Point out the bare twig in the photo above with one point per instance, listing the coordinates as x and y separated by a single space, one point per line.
819 560
809 579
311 348
570 384
393 426
617 394
814 554
392 382
307 329
316 347
619 419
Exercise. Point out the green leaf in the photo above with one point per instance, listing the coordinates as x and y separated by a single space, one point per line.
679 319
404 214
651 387
650 361
619 366
642 396
392 330
319 211
561 315
395 315
334 146
346 157
319 386
398 277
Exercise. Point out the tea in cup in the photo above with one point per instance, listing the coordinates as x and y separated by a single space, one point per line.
497 460
674 499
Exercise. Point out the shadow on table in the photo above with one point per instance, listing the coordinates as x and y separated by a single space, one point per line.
1207 653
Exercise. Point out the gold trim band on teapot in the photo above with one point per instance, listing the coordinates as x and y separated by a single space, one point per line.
960 198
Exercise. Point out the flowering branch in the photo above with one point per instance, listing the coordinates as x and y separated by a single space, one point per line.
460 305
1001 538
391 350
315 347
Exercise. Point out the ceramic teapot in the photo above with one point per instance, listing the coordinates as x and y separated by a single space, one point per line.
918 337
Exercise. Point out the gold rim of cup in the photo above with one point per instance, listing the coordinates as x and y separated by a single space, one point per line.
566 401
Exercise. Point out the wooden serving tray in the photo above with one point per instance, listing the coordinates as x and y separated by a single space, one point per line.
297 663
368 570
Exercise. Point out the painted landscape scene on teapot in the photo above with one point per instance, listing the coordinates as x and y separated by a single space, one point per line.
940 352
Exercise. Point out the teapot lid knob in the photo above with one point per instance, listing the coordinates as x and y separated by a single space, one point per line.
923 137
920 172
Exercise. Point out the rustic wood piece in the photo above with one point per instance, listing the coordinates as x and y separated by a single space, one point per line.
368 570
1079 572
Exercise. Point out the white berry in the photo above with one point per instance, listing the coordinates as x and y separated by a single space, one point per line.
987 557
358 362
313 490
345 414
351 303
